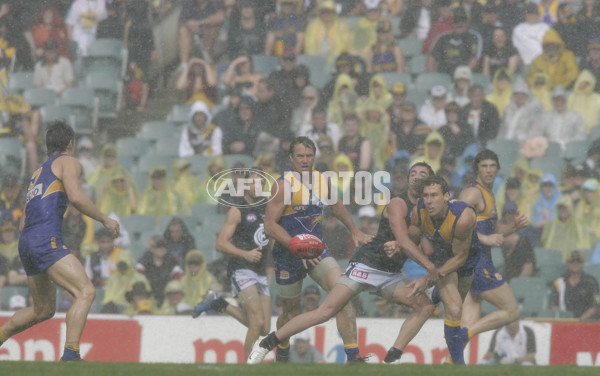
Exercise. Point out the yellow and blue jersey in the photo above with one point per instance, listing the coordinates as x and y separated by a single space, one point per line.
486 219
441 235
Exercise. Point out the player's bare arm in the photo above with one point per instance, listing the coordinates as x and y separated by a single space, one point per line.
473 197
341 213
506 229
273 212
461 243
68 169
232 220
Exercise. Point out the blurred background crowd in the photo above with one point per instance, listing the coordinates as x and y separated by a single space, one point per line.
164 94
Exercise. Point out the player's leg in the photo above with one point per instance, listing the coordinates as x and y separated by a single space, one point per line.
253 311
43 293
326 274
290 303
452 300
69 274
508 310
422 309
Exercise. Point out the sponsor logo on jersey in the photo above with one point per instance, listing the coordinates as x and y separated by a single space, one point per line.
359 274
251 217
260 237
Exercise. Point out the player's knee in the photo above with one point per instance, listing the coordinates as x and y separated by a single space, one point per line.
426 309
88 292
453 311
43 313
513 314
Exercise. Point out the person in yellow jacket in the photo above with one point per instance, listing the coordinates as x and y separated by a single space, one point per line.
109 168
588 209
501 94
119 196
186 184
327 35
565 232
584 100
120 283
556 61
434 150
159 198
197 280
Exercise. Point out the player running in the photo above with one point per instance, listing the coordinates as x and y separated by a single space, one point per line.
296 208
373 269
46 260
243 238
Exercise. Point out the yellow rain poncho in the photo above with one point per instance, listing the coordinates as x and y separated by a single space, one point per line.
215 164
162 202
519 170
187 185
588 213
196 286
117 201
542 93
342 163
119 283
561 70
384 100
499 98
434 161
327 40
530 193
376 131
565 236
339 105
585 101
102 175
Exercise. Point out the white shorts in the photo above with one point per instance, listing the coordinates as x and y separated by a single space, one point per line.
244 278
360 277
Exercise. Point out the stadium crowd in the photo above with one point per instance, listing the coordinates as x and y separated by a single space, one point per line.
376 84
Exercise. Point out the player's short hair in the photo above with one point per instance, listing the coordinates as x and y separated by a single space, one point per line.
58 136
423 164
434 180
482 156
302 141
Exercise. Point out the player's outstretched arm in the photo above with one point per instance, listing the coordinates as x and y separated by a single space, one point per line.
233 219
68 170
473 197
273 212
461 243
341 213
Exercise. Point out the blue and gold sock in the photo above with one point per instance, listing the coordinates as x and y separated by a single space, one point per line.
466 334
351 351
3 337
71 353
282 353
452 332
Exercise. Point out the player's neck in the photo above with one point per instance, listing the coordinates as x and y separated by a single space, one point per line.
486 186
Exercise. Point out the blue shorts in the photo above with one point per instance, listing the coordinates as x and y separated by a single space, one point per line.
289 269
486 276
38 253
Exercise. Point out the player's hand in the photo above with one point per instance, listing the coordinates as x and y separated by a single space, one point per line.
360 237
390 248
113 226
253 255
432 276
495 240
521 221
417 286
311 262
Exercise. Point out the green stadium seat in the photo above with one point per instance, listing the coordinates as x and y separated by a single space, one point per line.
137 224
106 54
498 259
507 151
594 133
553 314
39 97
155 130
265 64
84 108
180 114
317 66
351 21
549 263
395 24
136 147
425 81
108 89
167 146
8 291
199 163
549 164
411 47
11 155
417 65
576 151
531 294
392 77
554 150
151 159
417 97
231 159
54 112
483 80
19 81
202 212
190 222
593 269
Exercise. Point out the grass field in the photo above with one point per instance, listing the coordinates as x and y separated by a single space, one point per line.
135 369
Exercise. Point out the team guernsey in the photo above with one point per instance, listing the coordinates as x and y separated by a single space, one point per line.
40 244
441 235
486 277
303 214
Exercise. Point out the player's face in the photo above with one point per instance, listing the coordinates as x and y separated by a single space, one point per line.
256 186
302 158
436 202
486 171
416 174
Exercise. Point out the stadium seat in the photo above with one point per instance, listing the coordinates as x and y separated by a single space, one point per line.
531 294
19 81
576 151
425 81
593 269
8 291
180 114
417 97
11 156
417 65
134 146
549 263
483 80
549 164
190 222
39 97
317 66
141 179
554 149
106 54
108 89
265 64
411 47
395 24
507 151
199 163
206 242
587 254
594 133
137 224
167 146
53 112
553 314
84 107
391 78
231 159
128 161
154 130
150 159
351 21
212 225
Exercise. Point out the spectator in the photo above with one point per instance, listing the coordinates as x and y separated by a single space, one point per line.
556 61
140 299
186 184
576 291
53 71
490 22
569 30
434 150
139 41
356 147
588 211
78 232
113 26
286 31
591 62
384 55
375 127
565 232
282 160
119 283
474 11
214 166
441 26
342 166
432 113
327 35
108 169
271 112
530 192
587 20
9 241
159 266
410 133
500 53
522 116
197 280
502 90
584 100
562 125
543 209
512 344
527 36
266 162
320 126
86 157
82 22
394 111
519 258
199 81
460 88
10 192
353 66
336 236
302 351
228 115
378 95
302 114
50 25
461 46
417 19
240 73
17 302
247 37
119 196
13 18
199 20
512 13
179 240
16 273
283 78
200 136
100 265
481 116
159 198
344 99
300 80
311 297
549 11
174 298
4 265
541 90
241 137
364 32
457 133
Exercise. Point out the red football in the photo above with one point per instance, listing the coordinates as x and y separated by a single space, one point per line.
306 246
